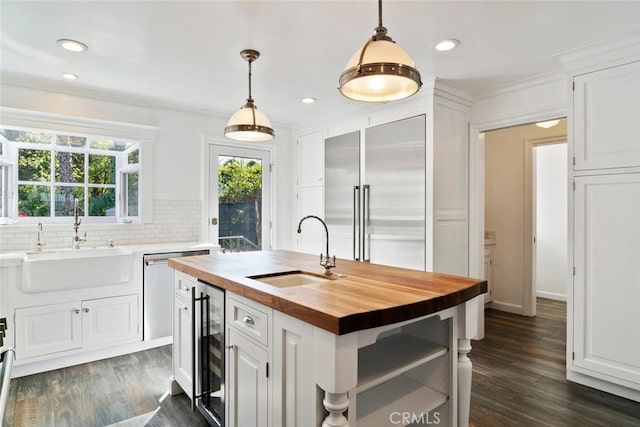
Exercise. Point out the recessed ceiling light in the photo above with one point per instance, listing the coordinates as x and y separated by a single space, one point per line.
447 44
308 100
72 45
548 124
69 76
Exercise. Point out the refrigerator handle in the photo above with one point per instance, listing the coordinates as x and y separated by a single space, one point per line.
193 346
366 191
355 237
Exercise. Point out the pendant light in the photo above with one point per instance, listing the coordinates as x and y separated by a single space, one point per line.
381 71
249 124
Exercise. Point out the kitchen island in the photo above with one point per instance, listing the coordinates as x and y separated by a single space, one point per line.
368 345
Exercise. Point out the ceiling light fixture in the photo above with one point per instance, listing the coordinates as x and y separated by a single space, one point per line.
380 71
69 76
73 45
308 100
249 124
447 44
548 124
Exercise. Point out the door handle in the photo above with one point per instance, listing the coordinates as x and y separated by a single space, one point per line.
366 196
355 237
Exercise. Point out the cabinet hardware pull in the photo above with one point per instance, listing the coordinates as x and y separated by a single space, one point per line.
247 320
86 309
185 307
76 310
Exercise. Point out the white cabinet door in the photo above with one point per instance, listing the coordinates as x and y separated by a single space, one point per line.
293 382
110 320
606 111
247 383
310 160
48 329
182 345
607 277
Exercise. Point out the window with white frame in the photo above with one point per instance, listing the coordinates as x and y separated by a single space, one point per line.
43 172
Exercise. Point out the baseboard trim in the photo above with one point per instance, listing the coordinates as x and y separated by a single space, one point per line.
603 385
551 295
507 306
21 369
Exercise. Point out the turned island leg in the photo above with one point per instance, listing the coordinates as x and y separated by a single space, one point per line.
335 404
464 382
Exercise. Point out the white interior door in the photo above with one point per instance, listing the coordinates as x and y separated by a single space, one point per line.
239 208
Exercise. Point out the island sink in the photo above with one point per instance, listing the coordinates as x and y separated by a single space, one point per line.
290 279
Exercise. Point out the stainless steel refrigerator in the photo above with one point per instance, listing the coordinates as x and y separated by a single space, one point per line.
375 194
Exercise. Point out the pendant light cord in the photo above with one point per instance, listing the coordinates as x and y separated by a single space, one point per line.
250 99
380 33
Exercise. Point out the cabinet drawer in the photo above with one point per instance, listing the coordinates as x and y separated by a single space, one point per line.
183 285
248 319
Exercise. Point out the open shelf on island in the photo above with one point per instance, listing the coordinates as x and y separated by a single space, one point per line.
397 395
392 356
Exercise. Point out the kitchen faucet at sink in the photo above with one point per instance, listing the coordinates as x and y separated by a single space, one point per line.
39 242
77 240
325 260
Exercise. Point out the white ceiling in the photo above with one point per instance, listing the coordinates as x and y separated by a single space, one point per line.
187 53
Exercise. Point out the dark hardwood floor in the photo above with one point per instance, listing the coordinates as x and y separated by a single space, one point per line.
518 380
519 376
124 391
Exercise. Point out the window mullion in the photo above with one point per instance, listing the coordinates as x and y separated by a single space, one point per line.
86 183
52 174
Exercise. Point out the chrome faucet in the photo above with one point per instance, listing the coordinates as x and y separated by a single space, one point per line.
325 261
39 243
76 224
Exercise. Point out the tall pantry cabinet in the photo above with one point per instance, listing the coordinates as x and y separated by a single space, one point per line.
603 310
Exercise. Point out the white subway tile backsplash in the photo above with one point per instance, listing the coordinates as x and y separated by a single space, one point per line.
173 221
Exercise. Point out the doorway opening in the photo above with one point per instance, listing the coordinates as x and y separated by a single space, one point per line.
517 170
239 198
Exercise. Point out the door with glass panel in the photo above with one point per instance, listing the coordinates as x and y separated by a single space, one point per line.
239 212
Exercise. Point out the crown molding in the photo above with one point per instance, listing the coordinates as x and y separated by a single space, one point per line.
606 53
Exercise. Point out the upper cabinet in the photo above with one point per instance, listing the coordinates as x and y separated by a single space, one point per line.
310 160
607 118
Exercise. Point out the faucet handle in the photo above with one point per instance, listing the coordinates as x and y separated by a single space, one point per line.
328 263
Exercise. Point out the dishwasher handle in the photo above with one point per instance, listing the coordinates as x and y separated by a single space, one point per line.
148 262
5 378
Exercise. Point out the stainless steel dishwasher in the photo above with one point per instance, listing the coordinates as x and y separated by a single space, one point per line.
158 293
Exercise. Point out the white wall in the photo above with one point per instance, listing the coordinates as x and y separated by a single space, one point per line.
551 221
504 196
177 150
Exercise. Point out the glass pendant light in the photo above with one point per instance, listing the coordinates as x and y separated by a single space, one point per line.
249 124
381 71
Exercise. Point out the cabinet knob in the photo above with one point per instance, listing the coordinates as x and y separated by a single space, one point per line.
86 309
76 310
248 320
185 307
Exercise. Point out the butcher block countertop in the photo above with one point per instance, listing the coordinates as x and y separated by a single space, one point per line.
359 296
